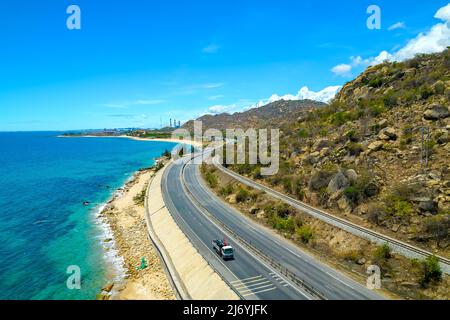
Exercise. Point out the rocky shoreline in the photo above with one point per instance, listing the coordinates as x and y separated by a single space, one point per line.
125 214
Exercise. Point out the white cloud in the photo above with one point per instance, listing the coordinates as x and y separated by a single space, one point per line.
398 25
382 57
437 39
212 48
357 61
443 13
211 85
342 69
324 95
219 109
126 104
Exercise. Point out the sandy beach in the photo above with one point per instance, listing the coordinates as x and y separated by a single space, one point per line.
126 217
194 143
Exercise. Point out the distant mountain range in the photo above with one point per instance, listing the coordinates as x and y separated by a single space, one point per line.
272 114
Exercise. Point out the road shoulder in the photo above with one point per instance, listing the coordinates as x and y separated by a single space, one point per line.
197 278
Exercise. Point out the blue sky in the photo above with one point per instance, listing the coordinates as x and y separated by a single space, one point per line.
134 62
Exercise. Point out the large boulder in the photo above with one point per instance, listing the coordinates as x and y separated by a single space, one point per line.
319 180
375 146
436 112
351 175
322 143
387 134
443 136
382 123
361 93
338 182
311 160
428 205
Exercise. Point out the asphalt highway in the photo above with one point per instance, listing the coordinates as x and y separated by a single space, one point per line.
250 277
202 216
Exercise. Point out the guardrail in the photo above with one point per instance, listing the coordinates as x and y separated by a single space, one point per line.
205 258
248 245
180 291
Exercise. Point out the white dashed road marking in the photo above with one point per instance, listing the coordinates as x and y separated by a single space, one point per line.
253 285
280 280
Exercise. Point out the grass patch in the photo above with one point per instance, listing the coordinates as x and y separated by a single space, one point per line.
304 233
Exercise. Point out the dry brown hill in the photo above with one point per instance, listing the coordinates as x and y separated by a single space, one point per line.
269 115
378 154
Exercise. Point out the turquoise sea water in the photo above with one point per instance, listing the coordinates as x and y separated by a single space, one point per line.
44 227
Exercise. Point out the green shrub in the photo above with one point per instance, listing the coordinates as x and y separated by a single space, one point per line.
158 166
287 184
405 190
352 194
227 190
397 203
377 109
398 207
390 100
406 139
354 149
283 210
376 82
211 179
439 88
257 173
431 271
383 252
286 224
339 118
425 92
352 136
242 195
244 168
361 189
304 233
429 145
139 199
299 191
303 133
413 63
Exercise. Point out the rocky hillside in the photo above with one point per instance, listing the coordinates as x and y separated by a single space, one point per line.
268 115
378 154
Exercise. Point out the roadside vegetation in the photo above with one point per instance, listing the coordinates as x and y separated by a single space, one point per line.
139 199
401 276
361 156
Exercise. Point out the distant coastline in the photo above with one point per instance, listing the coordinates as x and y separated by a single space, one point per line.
180 141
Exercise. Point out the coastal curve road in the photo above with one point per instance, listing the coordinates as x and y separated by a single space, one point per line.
266 266
248 276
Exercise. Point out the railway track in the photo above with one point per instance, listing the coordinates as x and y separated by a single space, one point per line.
396 245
